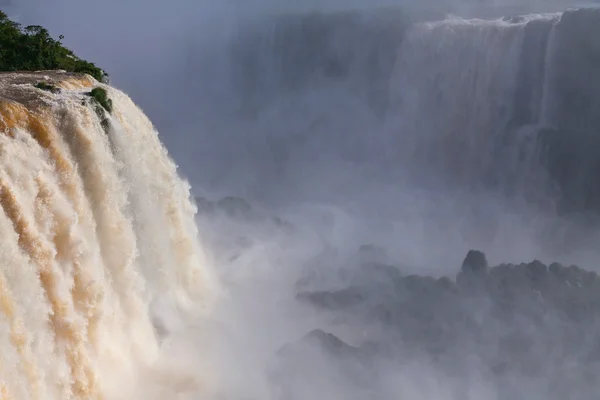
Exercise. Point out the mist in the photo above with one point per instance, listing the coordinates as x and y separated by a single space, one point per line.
337 163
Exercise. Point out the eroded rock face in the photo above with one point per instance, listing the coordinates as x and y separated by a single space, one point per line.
572 142
472 275
523 322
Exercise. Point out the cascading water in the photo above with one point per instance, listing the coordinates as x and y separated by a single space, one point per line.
407 122
441 129
463 102
459 86
96 227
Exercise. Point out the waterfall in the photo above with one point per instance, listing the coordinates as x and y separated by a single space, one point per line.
100 249
97 227
464 102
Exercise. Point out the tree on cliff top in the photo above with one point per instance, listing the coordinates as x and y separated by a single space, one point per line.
31 48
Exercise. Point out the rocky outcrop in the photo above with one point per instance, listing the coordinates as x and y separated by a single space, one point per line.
528 321
573 141
300 368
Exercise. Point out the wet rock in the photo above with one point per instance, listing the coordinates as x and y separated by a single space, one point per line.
537 270
204 205
416 284
335 300
331 344
375 274
572 145
475 261
525 321
321 362
235 206
445 284
473 271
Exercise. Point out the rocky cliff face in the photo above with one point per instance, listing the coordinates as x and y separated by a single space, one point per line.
573 138
527 331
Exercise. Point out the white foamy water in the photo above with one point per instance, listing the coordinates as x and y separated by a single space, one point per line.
97 229
101 254
455 100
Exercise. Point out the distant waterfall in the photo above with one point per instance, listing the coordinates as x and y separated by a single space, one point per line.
493 104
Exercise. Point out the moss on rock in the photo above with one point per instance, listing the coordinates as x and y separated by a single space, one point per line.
47 87
99 94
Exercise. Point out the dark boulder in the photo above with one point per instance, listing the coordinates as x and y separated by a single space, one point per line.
475 262
473 271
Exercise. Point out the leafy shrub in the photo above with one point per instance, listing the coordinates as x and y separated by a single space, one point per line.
31 48
100 95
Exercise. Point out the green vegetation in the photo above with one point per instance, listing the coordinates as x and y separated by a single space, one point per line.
103 105
100 95
48 87
31 48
